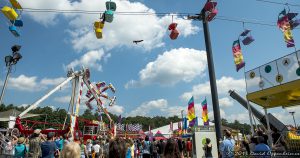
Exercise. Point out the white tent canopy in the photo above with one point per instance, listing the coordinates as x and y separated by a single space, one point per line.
165 130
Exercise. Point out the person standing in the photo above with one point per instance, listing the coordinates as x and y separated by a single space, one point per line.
20 148
261 148
106 148
189 148
71 150
35 144
227 145
207 148
96 149
49 148
83 152
172 150
89 148
10 145
179 141
146 148
154 150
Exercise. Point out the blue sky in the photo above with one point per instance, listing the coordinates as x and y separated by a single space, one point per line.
156 77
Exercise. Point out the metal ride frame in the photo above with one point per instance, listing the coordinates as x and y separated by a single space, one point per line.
75 76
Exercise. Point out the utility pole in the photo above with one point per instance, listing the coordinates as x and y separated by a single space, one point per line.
292 113
5 83
10 60
213 85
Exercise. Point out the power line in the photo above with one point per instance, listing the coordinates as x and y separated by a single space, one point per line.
279 3
101 12
147 13
240 20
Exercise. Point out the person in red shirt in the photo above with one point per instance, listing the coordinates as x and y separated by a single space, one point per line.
189 147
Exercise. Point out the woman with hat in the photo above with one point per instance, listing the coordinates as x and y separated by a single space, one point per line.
20 148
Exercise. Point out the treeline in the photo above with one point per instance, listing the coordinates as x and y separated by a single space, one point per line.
59 116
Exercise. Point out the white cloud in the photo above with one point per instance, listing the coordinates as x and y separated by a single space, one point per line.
90 59
160 107
222 113
24 105
223 85
31 83
63 99
52 81
25 83
146 107
116 109
121 32
242 117
171 67
226 102
285 117
46 19
174 111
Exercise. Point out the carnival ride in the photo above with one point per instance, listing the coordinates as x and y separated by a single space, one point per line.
275 84
13 14
73 128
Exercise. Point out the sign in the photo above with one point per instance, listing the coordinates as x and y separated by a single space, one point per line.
279 78
252 74
202 140
12 122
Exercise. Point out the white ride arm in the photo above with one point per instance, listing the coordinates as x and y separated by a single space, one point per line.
34 105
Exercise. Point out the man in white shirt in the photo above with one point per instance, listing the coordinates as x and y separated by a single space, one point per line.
96 148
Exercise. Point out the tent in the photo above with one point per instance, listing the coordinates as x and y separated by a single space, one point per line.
4 116
159 136
165 130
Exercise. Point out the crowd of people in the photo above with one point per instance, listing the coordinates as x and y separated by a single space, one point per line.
257 145
39 145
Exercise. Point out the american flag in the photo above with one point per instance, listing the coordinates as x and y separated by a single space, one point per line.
129 127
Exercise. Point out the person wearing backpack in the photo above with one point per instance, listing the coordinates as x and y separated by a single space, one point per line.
35 144
20 148
227 145
146 148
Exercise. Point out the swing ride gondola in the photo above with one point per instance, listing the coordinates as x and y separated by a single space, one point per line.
13 14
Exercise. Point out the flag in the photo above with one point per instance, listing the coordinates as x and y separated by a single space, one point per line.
179 125
284 24
100 116
120 119
191 112
185 123
237 55
204 112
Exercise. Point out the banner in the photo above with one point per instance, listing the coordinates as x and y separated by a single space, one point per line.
237 55
284 24
205 112
191 113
